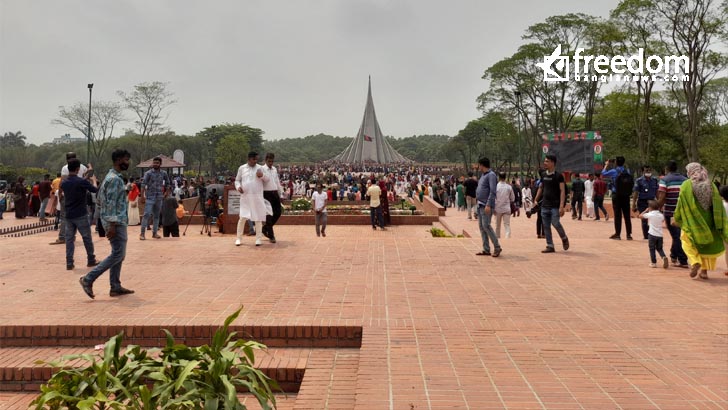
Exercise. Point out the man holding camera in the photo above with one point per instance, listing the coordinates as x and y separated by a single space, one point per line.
621 192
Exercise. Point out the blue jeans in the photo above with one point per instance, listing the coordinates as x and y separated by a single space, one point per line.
84 228
112 263
320 220
676 250
376 214
43 205
551 217
486 231
152 208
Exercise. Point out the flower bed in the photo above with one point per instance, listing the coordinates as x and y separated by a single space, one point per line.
348 210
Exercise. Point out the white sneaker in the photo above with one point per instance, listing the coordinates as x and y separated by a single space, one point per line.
653 265
258 242
237 242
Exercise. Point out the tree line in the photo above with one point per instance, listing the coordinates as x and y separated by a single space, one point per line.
648 121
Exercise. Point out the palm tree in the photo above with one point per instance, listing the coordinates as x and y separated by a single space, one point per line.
13 139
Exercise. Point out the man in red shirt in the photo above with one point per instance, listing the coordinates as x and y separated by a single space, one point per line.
600 189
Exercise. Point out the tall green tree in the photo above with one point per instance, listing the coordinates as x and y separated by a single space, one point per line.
231 152
692 28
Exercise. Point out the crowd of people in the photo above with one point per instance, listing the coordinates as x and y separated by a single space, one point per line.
690 207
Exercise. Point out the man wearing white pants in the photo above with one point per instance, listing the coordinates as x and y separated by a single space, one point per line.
588 194
249 182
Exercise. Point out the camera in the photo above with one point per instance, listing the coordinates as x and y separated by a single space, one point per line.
535 210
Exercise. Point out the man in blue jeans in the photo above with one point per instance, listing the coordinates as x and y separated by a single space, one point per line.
113 204
154 182
75 191
485 197
553 192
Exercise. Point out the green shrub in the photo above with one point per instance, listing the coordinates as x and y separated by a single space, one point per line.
438 233
181 377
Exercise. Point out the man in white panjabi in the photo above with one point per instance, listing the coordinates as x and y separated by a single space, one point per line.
249 182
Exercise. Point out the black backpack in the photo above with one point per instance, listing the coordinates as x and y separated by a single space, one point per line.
624 184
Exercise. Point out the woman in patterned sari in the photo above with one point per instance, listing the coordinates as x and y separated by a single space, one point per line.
702 219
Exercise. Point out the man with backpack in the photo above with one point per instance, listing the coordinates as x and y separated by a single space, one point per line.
621 193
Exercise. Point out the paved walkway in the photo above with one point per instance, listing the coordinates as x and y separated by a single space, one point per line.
591 328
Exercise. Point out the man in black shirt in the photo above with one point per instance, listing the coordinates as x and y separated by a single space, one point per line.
553 192
577 197
74 191
471 185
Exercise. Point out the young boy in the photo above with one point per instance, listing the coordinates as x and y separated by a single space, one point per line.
319 206
170 224
655 219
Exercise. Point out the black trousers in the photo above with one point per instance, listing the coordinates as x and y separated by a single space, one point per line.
577 203
275 202
621 208
641 206
171 230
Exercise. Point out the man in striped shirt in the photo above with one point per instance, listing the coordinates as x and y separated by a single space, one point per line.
667 195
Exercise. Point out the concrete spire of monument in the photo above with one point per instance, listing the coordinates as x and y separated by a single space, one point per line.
370 144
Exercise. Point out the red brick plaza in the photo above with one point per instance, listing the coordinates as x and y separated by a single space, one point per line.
395 319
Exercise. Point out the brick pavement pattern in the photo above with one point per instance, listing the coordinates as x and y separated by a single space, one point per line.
591 328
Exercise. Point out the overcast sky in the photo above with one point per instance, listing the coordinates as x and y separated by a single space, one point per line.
292 68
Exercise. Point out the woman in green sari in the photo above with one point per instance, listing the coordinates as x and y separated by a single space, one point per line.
702 219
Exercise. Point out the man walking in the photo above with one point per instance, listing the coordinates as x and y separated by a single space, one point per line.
113 204
249 182
471 186
645 190
319 199
553 192
154 182
272 193
621 192
44 191
577 197
485 195
600 189
667 195
589 195
62 214
75 191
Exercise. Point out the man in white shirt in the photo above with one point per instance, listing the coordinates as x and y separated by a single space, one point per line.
375 206
271 192
319 199
249 182
588 193
504 196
